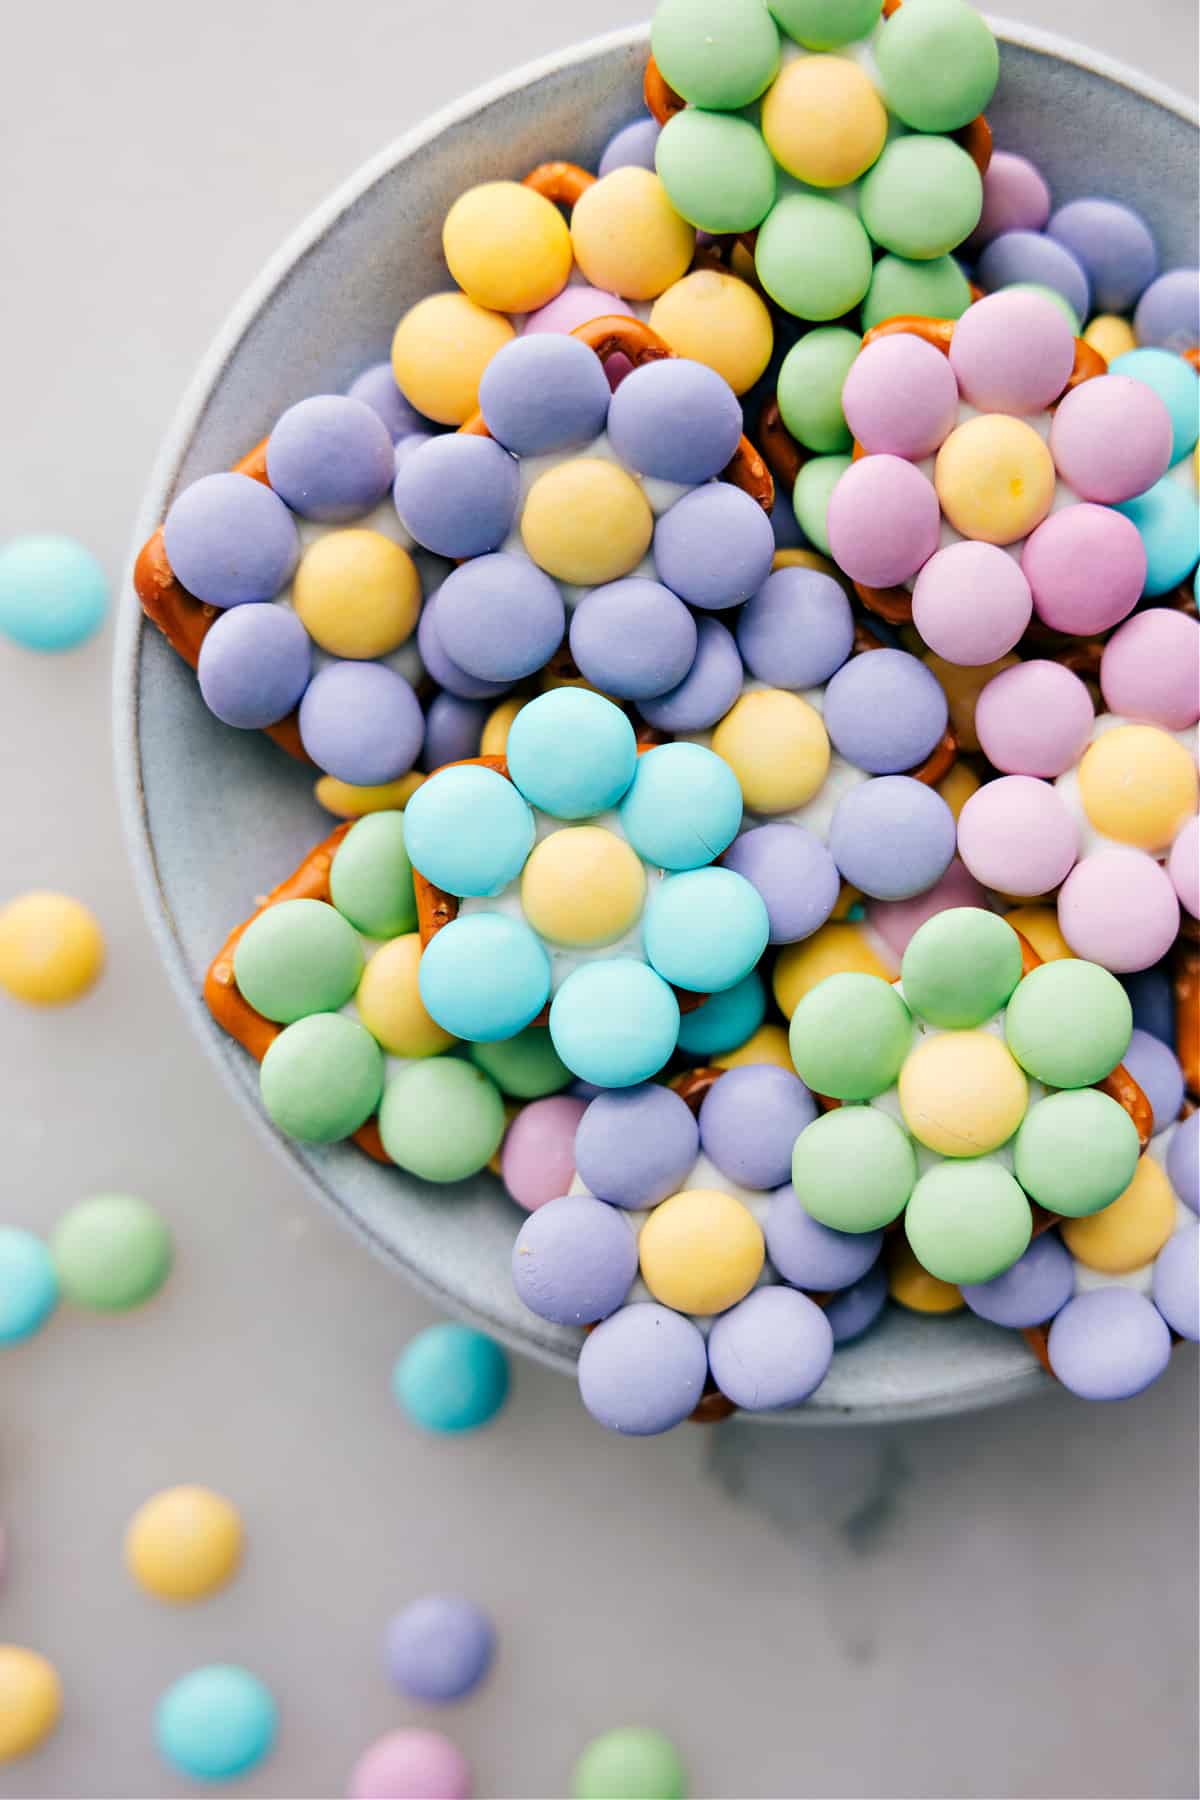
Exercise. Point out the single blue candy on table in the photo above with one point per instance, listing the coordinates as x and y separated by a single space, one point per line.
451 1379
590 1022
544 393
811 1255
885 712
797 630
636 1147
457 494
230 540
485 977
631 148
643 1370
892 837
675 419
216 1723
439 1648
683 808
707 691
28 1284
1168 313
499 617
1108 1344
633 638
704 929
1157 1071
1176 1282
714 548
772 1349
855 1309
361 722
376 388
453 729
1115 247
255 663
441 668
1019 257
468 830
793 872
53 592
1033 1290
572 754
725 1020
574 1260
1183 1161
330 458
1178 387
749 1123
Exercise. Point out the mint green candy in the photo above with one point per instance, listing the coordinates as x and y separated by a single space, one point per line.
441 1119
526 1067
718 172
936 289
854 1168
371 881
1048 293
632 1762
968 1221
960 967
1069 1023
296 958
111 1253
321 1078
1076 1152
938 63
922 198
716 53
810 497
826 24
811 379
813 256
849 1036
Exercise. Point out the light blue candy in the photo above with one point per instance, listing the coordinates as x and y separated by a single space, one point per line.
684 807
705 930
216 1722
53 592
28 1284
571 753
468 830
614 1022
726 1020
484 977
451 1378
1168 519
1178 387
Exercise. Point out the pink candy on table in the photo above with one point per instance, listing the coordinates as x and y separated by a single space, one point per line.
1016 835
1086 566
900 397
1118 908
883 521
411 1765
1035 719
897 920
971 603
537 1161
1150 669
1111 438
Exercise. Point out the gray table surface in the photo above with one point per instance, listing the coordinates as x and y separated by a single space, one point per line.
997 1605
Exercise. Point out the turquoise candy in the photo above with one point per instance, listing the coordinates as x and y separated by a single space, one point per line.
216 1723
1168 522
1178 387
451 1379
28 1284
53 592
725 1020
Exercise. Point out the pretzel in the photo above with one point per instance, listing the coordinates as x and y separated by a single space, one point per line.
1186 977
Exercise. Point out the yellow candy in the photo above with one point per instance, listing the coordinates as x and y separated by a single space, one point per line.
1040 925
357 593
833 950
777 746
440 350
812 559
769 1044
716 319
1111 336
1138 785
184 1543
30 1701
962 1093
507 247
995 478
497 726
51 948
823 121
583 886
914 1287
586 521
389 1001
957 787
962 688
628 238
346 801
701 1251
741 264
1131 1231
848 896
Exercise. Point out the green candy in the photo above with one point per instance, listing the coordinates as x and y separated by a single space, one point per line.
854 1168
631 1763
811 379
718 53
826 24
111 1252
321 1078
960 967
938 63
1052 294
296 958
1069 1023
371 881
968 1221
441 1119
936 289
1076 1152
718 172
849 1036
526 1067
810 497
813 256
923 197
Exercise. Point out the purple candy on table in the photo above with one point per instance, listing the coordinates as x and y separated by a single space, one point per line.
1108 1344
1176 1285
750 1120
500 617
1155 1067
883 521
856 1308
331 458
1168 313
442 668
797 630
811 1255
1113 245
544 393
794 873
453 729
1111 438
457 494
254 665
1152 997
439 1648
631 148
675 419
405 447
1015 198
772 1349
231 540
633 639
1028 256
1183 1161
1033 1290
361 722
714 548
376 388
709 688
537 1157
642 1370
574 1260
892 837
634 1146
885 711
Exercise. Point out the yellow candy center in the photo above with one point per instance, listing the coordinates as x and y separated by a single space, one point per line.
962 1093
1138 785
777 746
587 522
701 1251
823 121
583 886
995 478
357 593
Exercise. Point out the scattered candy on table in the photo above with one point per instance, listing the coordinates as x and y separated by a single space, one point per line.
184 1543
439 1648
627 1762
28 1284
111 1253
451 1379
53 593
51 949
216 1723
411 1765
30 1701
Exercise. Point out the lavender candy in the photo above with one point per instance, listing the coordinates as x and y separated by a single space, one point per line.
643 1370
453 729
1028 256
499 617
772 1349
885 711
709 688
457 494
632 147
750 1120
254 665
442 668
1033 1290
634 1146
633 639
1168 313
1183 1161
794 873
376 388
1155 1068
797 630
574 1260
856 1308
1176 1288
408 445
815 1256
330 458
714 548
439 1648
1114 246
1108 1344
675 419
230 540
892 837
544 392
361 722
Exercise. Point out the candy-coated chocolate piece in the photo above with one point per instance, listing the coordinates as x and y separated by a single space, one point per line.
709 688
962 688
704 929
1018 836
683 807
1167 519
111 1252
1068 1023
768 1045
922 198
1183 1162
913 1287
634 638
1119 908
1183 866
1108 1344
574 1260
641 1372
1177 385
631 147
1111 438
1168 313
255 663
184 1543
633 1148
543 393
885 712
1111 336
714 548
892 837
441 667
962 1094
500 618
1012 352
1150 669
835 948
53 592
717 53
30 1701
971 602
583 887
330 458
811 1255
1076 1152
823 121
507 246
450 1378
411 1765
468 830
899 395
485 976
321 1078
855 1309
797 630
1021 258
813 257
1115 246
700 1251
524 1067
589 1022
934 289
777 747
897 921
370 879
441 348
346 801
584 522
773 1349
726 1021
230 540
441 1119
749 1122
1035 719
457 494
716 319
811 381
215 1723
51 948
1035 1288
675 419
849 1036
793 872
537 1158
376 387
716 169
362 722
627 236
1040 925
296 958
883 520
938 62
493 739
439 1648
1015 198
28 1284
389 1001
572 754
1176 1289
826 24
812 493
968 1221
960 967
1138 785
994 478
576 305
854 1169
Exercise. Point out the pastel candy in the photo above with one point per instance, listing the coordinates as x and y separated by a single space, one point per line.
1035 719
1108 1344
403 1765
885 712
1020 257
1035 1287
811 1255
574 1260
439 1648
635 1147
230 540
1111 438
749 1121
883 521
330 458
1017 835
451 1379
1115 247
361 722
1119 908
971 603
1168 313
1150 669
1176 1289
771 1350
892 837
643 1370
900 397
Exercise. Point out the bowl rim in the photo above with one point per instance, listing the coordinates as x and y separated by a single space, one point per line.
131 624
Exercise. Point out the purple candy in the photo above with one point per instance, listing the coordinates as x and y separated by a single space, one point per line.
1168 313
1176 1287
441 668
856 1308
892 837
633 639
1108 1344
331 458
772 1349
1015 198
1183 1161
231 540
1111 438
750 1120
453 728
575 306
709 688
574 1260
885 711
255 663
636 1145
797 629
406 446
542 393
1155 1067
439 1648
1034 1289
1152 998
883 521
1027 256
811 1255
675 419
499 617
631 148
794 873
714 548
376 388
361 722
457 494
643 1370
1113 245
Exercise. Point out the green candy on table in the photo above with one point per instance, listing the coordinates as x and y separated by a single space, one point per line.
968 1221
111 1252
813 256
935 289
321 1078
938 63
441 1119
826 24
1069 1023
718 172
849 1036
296 958
811 379
960 967
526 1067
810 497
854 1168
371 881
922 198
1077 1152
632 1762
716 53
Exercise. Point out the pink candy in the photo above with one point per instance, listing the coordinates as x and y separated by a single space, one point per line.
1016 836
1111 438
1150 669
900 397
883 521
1035 719
971 603
1012 352
1183 866
1086 566
411 1765
576 306
897 920
537 1160
1118 908
1015 198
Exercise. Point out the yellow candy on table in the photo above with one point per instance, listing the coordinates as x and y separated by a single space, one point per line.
957 786
915 1288
1040 925
30 1701
769 1044
389 1001
1130 1232
51 948
962 688
823 121
587 522
346 801
628 238
716 319
507 246
184 1543
995 478
1138 785
836 949
963 1093
1111 336
441 348
583 886
777 746
357 593
701 1251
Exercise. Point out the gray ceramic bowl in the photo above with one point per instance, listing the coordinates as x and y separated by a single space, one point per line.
323 309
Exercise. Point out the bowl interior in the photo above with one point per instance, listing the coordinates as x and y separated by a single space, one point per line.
216 816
